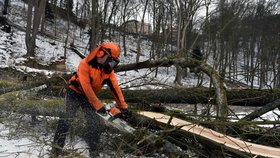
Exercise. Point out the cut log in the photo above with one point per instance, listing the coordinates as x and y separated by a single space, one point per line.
242 97
18 101
26 102
213 136
257 113
20 87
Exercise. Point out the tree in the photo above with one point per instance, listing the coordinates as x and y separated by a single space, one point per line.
158 38
69 6
185 16
109 10
6 5
95 18
127 9
141 32
49 13
124 12
32 30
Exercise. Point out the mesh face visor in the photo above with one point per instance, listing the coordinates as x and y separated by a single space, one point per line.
113 62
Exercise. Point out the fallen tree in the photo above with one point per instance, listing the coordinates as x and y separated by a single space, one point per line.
257 113
219 93
240 97
217 80
26 102
29 102
237 146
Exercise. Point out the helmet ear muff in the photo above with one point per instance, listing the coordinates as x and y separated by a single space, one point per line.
100 53
112 48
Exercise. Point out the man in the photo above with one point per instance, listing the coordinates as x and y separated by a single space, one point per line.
196 55
93 72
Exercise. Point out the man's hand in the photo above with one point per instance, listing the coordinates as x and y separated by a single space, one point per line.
102 111
115 112
126 114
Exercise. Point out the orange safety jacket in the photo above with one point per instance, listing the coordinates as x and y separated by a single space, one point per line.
90 78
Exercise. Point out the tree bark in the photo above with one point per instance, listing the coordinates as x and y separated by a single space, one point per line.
30 38
28 26
216 139
6 5
218 83
246 98
268 107
21 87
25 102
240 97
94 24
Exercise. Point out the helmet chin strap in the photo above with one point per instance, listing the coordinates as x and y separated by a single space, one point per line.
107 69
107 66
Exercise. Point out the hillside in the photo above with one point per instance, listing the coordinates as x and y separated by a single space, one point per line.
50 50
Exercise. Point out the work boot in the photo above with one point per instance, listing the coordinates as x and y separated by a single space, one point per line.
55 152
196 70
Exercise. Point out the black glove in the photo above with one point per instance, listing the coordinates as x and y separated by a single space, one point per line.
126 114
102 111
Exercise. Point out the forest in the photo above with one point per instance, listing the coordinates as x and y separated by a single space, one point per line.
211 64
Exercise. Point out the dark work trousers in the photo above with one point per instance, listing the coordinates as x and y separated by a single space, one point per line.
94 127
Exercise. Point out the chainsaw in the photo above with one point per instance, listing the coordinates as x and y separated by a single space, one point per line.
116 122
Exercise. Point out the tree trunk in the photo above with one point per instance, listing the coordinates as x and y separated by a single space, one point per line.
246 98
31 33
43 13
28 26
178 77
24 102
141 33
67 31
6 5
179 74
216 139
94 24
268 107
210 71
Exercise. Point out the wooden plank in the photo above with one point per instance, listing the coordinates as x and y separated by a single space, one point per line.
228 141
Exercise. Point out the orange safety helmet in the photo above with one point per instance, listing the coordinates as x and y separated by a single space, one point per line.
113 47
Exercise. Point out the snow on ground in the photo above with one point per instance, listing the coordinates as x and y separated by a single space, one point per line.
11 147
23 138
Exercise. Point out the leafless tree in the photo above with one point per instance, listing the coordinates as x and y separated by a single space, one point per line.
185 12
243 28
33 22
127 9
6 5
95 25
141 32
109 10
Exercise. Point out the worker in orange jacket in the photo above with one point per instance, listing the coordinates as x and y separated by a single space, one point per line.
93 72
